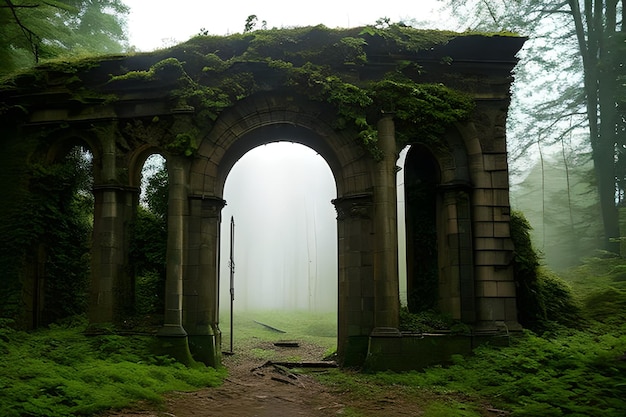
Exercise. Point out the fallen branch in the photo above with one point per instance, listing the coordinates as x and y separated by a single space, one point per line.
274 329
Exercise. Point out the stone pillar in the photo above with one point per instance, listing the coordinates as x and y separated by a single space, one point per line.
456 278
356 281
386 286
201 283
496 303
111 291
172 323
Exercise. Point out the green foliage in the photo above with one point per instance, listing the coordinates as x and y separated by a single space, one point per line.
531 308
598 283
450 409
169 68
185 144
250 23
305 60
38 30
558 298
157 192
148 246
421 111
54 224
607 305
147 258
61 372
542 296
574 373
429 322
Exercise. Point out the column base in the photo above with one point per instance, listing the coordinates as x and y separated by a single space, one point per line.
171 330
203 349
175 347
355 351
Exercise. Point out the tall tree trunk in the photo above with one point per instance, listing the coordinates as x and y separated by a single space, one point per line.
599 84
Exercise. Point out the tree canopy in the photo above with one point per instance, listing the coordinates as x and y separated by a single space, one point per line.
34 30
573 77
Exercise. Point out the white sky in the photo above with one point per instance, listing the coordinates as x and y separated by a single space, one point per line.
153 24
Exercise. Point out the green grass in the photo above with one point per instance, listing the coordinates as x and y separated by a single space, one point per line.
564 371
61 372
318 329
579 373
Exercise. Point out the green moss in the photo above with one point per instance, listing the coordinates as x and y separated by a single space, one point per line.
212 73
185 144
168 68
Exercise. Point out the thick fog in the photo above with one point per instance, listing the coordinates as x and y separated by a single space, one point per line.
285 243
285 229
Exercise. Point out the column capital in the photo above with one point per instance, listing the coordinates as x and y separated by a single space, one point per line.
211 206
454 186
354 206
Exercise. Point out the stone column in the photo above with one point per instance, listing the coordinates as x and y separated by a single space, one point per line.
201 286
111 291
496 303
386 286
172 323
356 284
456 278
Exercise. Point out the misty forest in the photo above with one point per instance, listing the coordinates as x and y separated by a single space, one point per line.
277 295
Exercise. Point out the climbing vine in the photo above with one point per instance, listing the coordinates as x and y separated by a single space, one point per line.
55 222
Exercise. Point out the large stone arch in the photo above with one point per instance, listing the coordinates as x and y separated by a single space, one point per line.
256 121
252 121
181 102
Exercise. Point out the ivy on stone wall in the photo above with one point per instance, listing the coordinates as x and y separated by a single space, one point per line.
53 226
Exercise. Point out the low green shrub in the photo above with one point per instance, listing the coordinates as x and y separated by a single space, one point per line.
573 372
60 372
543 298
607 305
429 322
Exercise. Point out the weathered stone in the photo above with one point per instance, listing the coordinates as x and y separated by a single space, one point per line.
135 113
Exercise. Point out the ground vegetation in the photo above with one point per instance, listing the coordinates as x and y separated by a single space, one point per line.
558 371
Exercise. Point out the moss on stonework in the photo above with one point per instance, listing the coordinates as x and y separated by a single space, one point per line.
359 72
169 68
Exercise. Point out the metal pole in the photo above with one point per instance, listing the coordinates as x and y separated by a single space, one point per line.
232 277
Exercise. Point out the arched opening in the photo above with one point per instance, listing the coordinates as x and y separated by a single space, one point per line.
285 241
60 216
421 178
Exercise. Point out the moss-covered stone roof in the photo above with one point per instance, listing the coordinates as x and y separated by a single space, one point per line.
360 71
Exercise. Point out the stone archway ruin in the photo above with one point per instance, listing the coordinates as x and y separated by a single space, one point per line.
203 104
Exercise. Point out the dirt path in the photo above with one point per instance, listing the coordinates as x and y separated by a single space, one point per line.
255 389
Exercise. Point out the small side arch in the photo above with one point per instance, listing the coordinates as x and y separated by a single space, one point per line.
439 244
